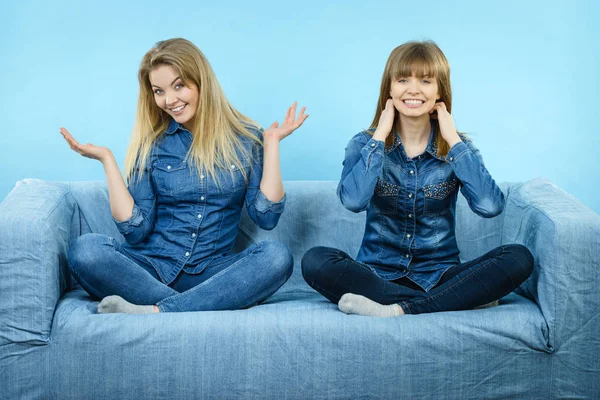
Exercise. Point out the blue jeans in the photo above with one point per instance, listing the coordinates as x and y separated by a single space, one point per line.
103 268
464 286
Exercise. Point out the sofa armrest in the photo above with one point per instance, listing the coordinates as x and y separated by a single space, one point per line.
564 237
36 221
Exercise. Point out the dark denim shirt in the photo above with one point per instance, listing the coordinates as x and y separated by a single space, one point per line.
410 204
184 221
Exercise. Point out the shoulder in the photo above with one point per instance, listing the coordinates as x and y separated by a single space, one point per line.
360 139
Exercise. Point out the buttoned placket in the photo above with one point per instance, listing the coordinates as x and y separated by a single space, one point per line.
411 185
198 219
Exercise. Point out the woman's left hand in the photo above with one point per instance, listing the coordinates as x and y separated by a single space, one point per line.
447 128
289 125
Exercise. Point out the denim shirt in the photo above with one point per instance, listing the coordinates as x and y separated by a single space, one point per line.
410 204
185 221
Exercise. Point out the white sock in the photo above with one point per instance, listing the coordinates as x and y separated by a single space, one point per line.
116 304
351 303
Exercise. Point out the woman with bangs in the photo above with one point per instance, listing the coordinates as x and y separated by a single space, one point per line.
405 172
192 163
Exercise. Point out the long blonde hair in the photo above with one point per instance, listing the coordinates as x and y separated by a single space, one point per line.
217 127
422 58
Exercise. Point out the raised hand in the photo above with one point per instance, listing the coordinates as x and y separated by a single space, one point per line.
87 150
386 121
289 125
447 128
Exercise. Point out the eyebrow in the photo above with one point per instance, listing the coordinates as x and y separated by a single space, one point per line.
174 80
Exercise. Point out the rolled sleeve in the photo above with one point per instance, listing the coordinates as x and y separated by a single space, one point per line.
263 205
128 226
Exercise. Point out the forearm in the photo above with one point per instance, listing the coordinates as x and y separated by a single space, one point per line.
271 184
121 202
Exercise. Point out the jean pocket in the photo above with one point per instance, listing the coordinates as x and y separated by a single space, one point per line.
385 198
172 179
438 197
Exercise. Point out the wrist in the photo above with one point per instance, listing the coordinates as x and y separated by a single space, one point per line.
107 157
455 139
380 135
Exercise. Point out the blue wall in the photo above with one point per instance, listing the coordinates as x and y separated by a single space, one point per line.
524 74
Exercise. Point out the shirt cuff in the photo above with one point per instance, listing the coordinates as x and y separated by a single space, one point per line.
375 145
127 226
262 204
456 152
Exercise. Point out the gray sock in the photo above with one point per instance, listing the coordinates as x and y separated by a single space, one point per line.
116 304
351 303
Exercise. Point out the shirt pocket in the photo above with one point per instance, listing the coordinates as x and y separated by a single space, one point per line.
438 197
172 179
232 179
385 198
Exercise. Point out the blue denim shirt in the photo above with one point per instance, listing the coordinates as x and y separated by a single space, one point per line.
410 204
184 221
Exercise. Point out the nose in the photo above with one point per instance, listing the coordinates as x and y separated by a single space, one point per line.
170 101
413 87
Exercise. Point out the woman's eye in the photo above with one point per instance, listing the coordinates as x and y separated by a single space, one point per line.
402 80
158 91
426 81
179 86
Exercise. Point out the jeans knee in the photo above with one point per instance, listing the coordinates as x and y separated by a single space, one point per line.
86 250
280 258
312 261
523 259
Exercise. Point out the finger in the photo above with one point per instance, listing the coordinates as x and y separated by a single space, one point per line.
293 112
301 112
300 121
274 124
287 116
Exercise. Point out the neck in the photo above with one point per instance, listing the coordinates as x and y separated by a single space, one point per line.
413 131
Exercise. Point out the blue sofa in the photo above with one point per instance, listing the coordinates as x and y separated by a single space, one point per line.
542 342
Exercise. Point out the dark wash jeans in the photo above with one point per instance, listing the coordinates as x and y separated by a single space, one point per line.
464 286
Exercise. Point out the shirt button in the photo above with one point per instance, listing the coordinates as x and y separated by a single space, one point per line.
412 172
408 256
372 144
193 235
199 215
409 215
451 158
410 195
408 235
187 253
233 167
168 167
201 197
201 176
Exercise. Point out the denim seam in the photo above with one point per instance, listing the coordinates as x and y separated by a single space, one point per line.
193 289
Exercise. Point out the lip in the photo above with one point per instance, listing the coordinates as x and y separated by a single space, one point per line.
178 112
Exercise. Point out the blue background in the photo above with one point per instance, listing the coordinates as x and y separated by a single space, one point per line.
524 77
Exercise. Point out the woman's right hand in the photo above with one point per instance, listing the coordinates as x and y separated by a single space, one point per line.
386 121
87 150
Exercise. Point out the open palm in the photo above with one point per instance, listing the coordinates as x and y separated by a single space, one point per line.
289 125
87 150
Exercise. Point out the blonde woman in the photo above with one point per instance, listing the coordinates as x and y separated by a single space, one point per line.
406 172
192 163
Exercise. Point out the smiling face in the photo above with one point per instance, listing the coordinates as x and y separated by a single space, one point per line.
173 96
414 96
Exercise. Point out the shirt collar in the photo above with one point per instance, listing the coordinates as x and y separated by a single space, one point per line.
432 147
173 127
